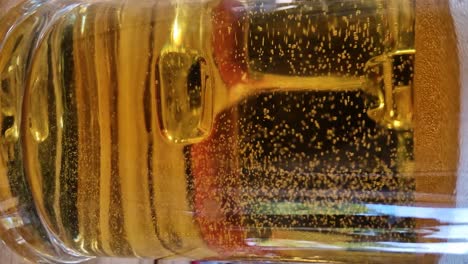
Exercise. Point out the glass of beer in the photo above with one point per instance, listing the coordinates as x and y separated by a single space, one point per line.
234 130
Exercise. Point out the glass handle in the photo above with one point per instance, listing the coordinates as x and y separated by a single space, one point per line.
388 78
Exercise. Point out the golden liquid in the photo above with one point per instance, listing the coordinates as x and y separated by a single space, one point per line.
219 129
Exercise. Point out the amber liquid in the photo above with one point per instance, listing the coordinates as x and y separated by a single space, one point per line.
217 129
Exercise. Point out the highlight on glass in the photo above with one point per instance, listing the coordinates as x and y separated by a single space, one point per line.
234 130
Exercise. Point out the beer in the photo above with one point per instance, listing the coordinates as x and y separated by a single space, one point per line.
211 129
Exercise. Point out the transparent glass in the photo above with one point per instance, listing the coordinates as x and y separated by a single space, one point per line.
234 130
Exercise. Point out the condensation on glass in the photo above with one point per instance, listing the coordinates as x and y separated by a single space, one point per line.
280 130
